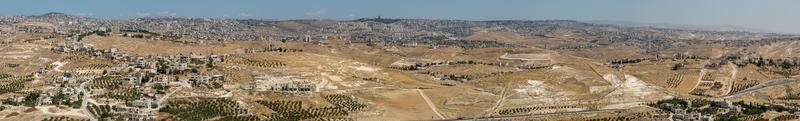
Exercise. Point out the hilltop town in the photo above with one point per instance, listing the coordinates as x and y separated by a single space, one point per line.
59 67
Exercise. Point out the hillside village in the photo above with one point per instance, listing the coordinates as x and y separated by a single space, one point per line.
58 67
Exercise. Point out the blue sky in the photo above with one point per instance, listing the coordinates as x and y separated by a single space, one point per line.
775 15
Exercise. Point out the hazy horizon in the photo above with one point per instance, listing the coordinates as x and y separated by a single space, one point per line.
774 16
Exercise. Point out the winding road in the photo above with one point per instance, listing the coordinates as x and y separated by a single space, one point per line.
85 101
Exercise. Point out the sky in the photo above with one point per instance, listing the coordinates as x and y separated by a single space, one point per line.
774 15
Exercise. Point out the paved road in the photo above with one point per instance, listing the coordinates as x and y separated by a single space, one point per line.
85 100
771 83
528 115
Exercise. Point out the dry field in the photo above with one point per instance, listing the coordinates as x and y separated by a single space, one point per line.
571 80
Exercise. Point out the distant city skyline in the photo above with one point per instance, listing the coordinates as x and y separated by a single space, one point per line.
774 15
